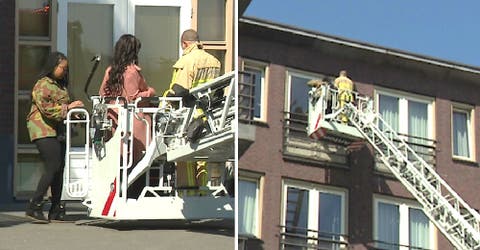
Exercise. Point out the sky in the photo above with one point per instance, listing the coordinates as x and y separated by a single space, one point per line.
442 29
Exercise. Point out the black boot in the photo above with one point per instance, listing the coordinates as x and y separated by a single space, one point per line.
35 212
57 212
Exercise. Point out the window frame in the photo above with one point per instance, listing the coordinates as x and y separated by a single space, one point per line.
404 217
469 111
264 69
259 180
403 101
227 45
314 191
21 149
288 83
404 98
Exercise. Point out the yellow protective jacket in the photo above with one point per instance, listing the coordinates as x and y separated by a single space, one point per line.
195 67
343 83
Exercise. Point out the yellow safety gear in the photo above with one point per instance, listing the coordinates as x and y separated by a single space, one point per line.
195 67
345 87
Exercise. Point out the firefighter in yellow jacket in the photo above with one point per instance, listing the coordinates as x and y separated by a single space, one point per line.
345 92
195 67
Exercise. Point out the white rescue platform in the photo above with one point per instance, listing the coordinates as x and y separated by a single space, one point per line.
100 171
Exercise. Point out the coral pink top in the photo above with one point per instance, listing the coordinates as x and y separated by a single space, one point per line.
134 86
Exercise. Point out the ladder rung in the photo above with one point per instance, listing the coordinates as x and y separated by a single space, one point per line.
453 226
77 153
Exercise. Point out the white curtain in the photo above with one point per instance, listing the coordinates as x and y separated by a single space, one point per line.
388 222
418 121
419 229
247 207
460 134
388 108
418 125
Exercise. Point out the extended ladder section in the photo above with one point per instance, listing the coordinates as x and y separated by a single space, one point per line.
443 206
216 99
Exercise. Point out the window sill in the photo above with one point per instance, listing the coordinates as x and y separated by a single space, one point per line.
465 161
244 236
254 122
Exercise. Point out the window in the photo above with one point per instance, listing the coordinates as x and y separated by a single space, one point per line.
411 116
400 225
258 72
34 43
297 145
248 205
213 19
34 19
211 13
415 110
462 133
297 102
313 215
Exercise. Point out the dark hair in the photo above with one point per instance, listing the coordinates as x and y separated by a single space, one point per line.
126 53
53 60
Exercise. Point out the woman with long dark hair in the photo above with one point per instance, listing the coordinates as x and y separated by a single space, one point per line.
124 78
50 104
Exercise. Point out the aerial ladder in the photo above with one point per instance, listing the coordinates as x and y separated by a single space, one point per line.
99 166
441 204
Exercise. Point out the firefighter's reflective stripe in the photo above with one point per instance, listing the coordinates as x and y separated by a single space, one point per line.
191 182
196 175
202 176
345 88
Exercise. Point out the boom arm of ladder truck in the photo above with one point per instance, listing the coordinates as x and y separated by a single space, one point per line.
440 203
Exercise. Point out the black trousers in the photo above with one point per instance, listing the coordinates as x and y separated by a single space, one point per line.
52 152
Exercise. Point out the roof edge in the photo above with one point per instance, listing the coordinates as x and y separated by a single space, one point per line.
359 45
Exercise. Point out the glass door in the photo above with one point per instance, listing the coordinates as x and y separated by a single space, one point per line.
158 25
91 27
87 28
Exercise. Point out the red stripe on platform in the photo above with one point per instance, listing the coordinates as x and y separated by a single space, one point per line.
111 196
318 134
318 120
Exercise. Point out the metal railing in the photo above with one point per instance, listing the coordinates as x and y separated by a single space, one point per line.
297 146
295 135
293 238
383 245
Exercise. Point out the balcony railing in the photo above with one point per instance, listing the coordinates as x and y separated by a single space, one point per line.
377 244
332 150
299 147
294 238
